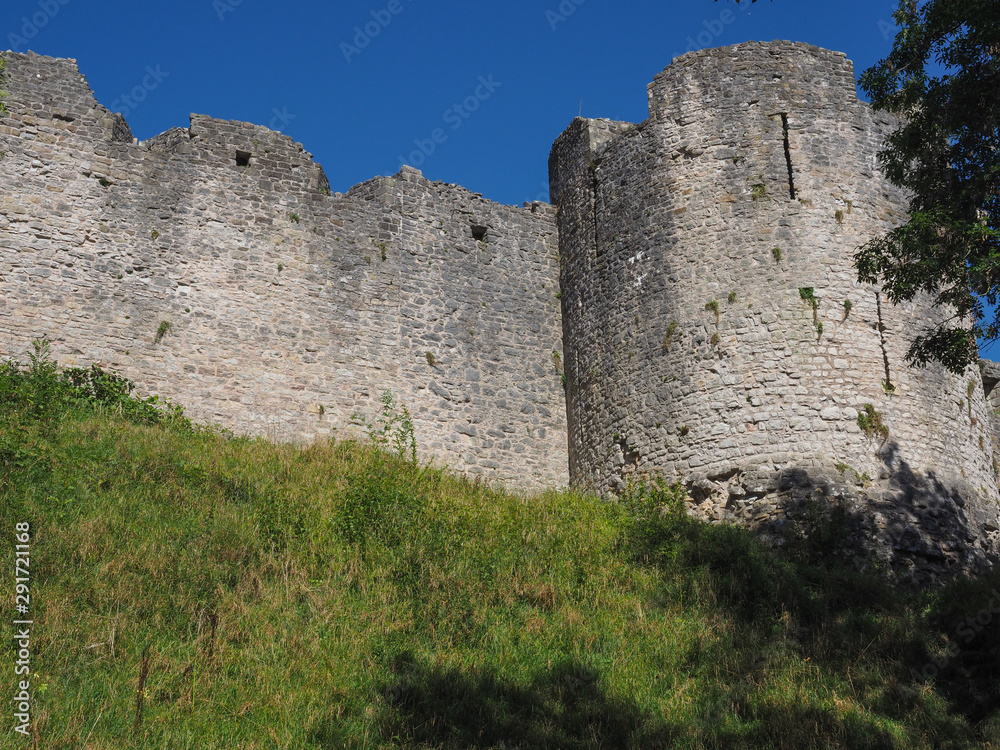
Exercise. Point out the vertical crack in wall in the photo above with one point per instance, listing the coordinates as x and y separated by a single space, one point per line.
881 336
788 155
594 188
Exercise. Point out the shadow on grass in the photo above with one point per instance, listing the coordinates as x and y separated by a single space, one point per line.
567 707
841 614
968 612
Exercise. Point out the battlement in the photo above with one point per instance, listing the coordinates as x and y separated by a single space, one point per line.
776 76
715 331
258 152
290 310
54 101
688 308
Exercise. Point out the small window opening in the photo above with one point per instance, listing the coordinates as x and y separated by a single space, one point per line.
242 158
478 232
989 383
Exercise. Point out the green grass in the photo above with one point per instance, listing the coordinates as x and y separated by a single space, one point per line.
339 596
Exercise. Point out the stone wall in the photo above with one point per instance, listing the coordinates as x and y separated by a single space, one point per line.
694 246
290 310
715 331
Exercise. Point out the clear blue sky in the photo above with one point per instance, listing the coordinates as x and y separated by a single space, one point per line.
361 103
284 64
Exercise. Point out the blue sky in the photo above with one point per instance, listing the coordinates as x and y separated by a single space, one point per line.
363 84
361 103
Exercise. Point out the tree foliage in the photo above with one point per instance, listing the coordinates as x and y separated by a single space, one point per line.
942 78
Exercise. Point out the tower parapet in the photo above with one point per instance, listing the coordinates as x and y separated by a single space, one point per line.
715 329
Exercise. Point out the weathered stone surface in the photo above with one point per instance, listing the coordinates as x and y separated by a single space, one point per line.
687 250
282 298
692 245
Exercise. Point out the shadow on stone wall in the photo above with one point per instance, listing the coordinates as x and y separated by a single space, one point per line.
912 523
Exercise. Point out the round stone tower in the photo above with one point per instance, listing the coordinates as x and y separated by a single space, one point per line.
714 328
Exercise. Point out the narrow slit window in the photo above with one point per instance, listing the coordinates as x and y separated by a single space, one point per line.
242 158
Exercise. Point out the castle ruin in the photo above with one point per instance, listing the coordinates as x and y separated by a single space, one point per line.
686 308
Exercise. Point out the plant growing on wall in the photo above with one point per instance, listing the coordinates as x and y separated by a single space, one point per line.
3 94
394 430
870 422
162 330
669 336
713 306
808 294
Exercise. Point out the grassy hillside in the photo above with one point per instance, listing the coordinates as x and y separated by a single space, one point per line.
191 589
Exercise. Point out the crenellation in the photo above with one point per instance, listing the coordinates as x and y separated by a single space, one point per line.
687 307
707 257
282 298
